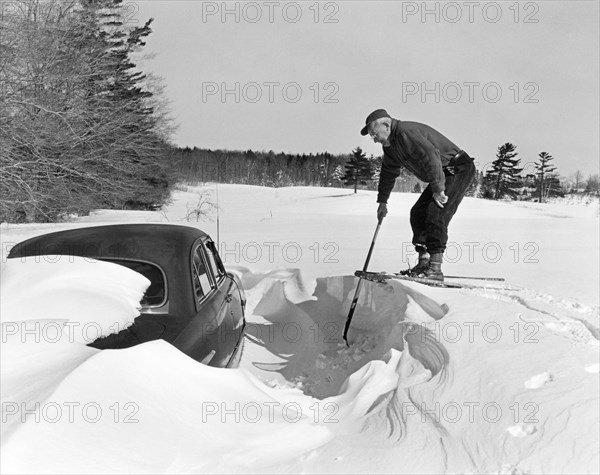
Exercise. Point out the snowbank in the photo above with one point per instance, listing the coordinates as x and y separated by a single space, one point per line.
51 307
416 392
488 380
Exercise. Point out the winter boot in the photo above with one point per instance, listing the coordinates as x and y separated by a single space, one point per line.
422 264
433 270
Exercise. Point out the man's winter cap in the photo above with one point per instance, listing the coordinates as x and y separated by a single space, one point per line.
378 114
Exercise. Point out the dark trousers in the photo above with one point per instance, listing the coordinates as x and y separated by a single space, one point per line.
429 222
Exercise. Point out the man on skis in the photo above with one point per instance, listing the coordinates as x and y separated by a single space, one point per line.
434 159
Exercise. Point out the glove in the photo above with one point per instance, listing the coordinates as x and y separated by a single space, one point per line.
440 199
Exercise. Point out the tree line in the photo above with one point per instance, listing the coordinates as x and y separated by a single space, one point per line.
196 165
81 127
504 179
262 168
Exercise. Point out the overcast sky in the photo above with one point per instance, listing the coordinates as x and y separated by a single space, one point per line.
302 76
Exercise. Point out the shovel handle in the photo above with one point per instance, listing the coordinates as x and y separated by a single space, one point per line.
355 299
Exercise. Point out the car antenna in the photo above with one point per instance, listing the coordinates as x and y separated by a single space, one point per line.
218 240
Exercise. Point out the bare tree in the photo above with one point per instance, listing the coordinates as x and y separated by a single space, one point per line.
77 128
592 185
576 180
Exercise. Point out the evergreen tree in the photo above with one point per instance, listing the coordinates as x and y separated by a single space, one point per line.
78 124
338 174
123 107
544 169
359 169
502 180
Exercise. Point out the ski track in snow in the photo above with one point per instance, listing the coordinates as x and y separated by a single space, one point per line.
568 318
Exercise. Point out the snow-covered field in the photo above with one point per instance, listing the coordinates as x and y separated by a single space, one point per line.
486 380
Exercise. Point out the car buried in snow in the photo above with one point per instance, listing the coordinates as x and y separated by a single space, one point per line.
192 301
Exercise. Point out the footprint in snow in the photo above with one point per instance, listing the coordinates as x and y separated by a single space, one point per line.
538 380
593 368
521 430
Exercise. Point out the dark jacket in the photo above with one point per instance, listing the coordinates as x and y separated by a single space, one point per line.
421 150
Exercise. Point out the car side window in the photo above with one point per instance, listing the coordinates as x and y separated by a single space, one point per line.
214 261
156 292
202 283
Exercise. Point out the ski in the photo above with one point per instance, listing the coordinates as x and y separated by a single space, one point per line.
493 279
382 277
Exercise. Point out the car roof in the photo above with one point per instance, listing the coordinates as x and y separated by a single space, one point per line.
160 243
167 245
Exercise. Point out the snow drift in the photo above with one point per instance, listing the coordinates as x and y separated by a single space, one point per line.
408 388
51 307
488 380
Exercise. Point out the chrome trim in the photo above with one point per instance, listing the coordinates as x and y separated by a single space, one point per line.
163 310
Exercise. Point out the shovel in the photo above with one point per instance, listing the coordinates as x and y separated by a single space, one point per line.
355 299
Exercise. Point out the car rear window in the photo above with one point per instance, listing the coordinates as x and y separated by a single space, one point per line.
155 294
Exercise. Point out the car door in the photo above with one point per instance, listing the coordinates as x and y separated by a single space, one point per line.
216 322
235 297
201 338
